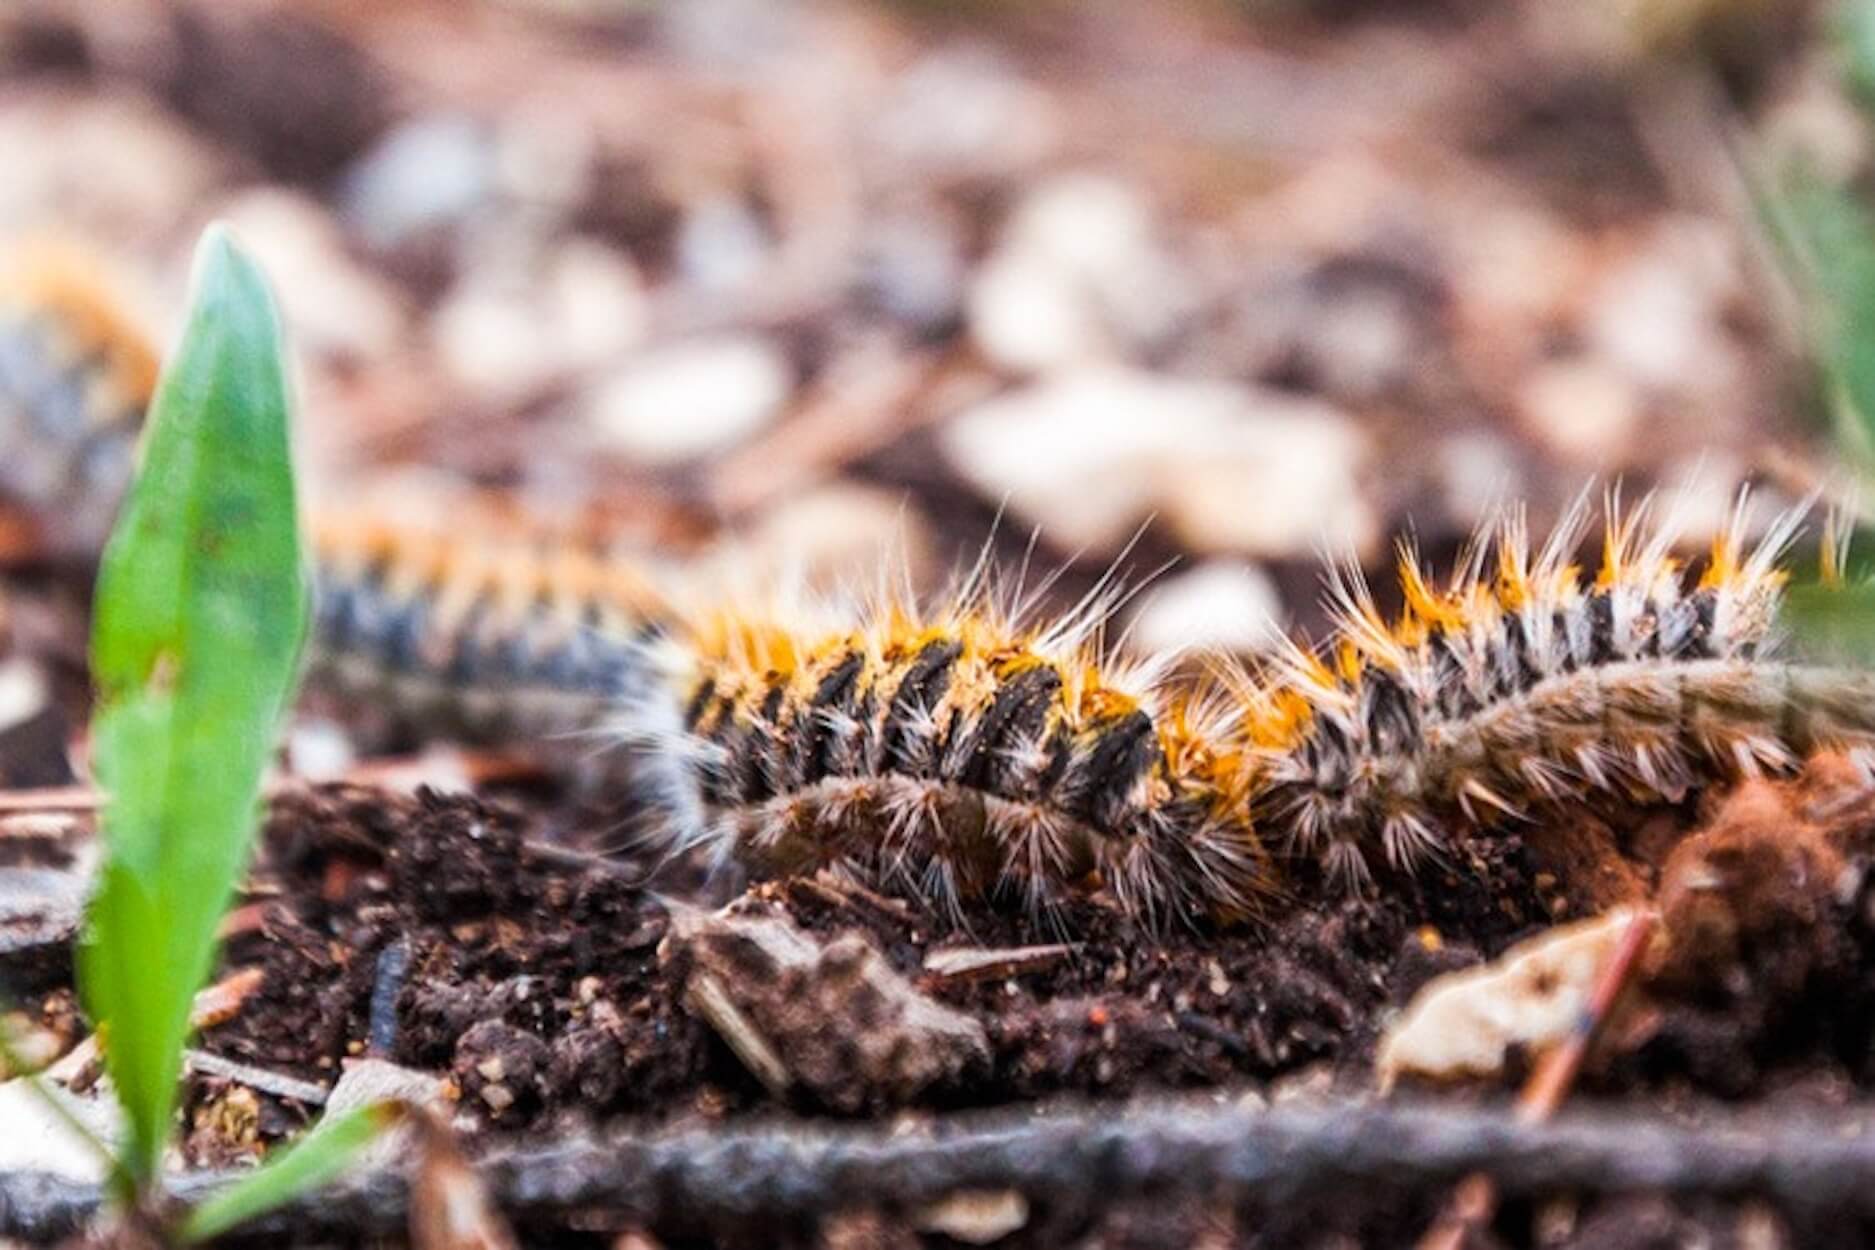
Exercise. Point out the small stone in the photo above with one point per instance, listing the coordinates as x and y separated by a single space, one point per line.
977 1217
1026 316
1533 995
430 172
1231 467
1352 329
28 1045
1078 275
833 538
1813 124
963 111
545 154
684 401
1078 455
1516 271
66 159
1657 313
913 269
721 245
320 750
24 691
510 329
1221 605
1583 411
1281 481
1478 472
505 1067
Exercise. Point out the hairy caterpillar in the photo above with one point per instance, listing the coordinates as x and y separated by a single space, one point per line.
971 750
958 753
1522 686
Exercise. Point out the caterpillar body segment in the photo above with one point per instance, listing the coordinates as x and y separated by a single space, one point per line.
959 757
1518 689
489 639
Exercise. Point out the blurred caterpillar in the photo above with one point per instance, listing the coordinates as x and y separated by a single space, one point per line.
76 372
473 635
968 750
491 637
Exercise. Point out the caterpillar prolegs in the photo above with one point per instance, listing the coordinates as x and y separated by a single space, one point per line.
968 750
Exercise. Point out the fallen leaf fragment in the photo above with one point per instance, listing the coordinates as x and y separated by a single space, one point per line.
1464 1023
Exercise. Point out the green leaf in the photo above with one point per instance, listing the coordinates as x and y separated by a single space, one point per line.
1829 238
1833 622
315 1159
1854 29
200 614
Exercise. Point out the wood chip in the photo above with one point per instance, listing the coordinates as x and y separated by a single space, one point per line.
222 1001
834 891
706 996
267 1082
982 963
53 799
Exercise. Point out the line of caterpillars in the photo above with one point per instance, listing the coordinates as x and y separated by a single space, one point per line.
967 750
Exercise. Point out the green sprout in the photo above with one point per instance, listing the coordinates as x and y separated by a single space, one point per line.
1825 237
201 611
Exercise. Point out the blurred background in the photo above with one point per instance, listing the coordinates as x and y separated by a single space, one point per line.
767 283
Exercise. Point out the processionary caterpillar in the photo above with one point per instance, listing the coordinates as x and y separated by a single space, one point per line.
971 750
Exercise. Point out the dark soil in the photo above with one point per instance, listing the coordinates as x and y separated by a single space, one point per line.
445 933
550 959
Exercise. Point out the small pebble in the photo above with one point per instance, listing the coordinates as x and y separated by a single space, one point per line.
684 401
1079 275
514 327
1221 605
1229 467
430 172
977 1217
1657 313
1586 413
